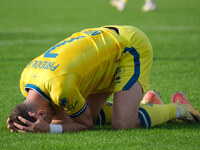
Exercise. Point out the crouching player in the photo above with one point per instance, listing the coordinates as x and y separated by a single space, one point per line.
66 87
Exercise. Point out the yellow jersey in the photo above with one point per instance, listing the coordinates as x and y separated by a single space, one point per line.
85 63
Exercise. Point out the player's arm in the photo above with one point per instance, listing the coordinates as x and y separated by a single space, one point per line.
66 124
82 122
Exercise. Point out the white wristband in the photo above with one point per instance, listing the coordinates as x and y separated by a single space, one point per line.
56 128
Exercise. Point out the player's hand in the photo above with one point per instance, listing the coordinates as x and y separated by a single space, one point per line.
40 125
9 126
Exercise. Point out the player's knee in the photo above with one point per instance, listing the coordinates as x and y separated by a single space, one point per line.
117 125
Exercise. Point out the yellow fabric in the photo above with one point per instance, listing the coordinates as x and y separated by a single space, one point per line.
107 109
86 63
139 41
160 114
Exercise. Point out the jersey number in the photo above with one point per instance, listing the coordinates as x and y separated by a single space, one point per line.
49 54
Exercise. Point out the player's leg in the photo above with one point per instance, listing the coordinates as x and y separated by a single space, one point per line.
128 113
150 114
105 115
96 102
131 78
153 114
151 98
119 4
149 5
126 106
180 108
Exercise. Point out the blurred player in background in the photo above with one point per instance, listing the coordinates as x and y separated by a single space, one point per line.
149 5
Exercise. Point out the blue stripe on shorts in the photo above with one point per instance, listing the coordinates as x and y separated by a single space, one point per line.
136 74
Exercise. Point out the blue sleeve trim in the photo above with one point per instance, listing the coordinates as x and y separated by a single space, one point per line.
36 88
144 118
79 112
136 74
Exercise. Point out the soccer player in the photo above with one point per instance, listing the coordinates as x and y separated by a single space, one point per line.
149 5
68 84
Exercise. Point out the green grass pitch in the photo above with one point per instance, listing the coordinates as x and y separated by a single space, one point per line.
28 28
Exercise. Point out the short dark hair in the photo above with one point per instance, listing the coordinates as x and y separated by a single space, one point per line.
21 110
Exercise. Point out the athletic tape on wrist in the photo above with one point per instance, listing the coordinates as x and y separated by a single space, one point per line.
56 128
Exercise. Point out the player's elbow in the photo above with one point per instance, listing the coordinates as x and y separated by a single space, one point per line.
87 124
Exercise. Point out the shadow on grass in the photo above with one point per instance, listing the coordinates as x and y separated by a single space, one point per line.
179 125
167 126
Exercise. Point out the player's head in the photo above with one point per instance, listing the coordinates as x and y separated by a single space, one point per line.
23 109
